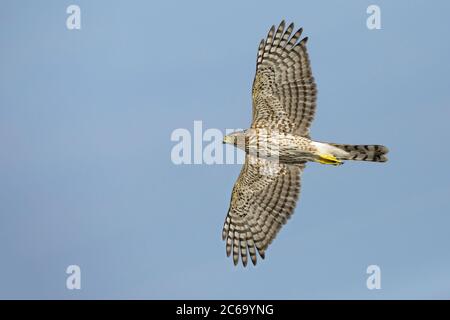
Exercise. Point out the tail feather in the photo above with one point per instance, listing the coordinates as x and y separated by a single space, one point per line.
375 153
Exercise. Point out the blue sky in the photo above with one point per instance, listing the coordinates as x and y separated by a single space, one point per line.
86 176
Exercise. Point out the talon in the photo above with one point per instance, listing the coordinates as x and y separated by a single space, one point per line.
329 159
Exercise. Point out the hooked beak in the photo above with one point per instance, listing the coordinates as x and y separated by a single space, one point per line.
226 139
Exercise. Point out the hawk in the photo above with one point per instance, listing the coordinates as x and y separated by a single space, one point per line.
278 145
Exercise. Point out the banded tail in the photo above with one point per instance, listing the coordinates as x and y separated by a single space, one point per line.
375 153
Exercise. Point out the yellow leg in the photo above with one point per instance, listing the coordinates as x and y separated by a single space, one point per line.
328 159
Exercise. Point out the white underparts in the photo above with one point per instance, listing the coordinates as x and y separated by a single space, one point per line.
325 148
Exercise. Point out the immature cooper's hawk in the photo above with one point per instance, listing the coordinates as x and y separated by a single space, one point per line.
278 145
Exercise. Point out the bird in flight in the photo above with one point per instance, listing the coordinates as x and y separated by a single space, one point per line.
278 145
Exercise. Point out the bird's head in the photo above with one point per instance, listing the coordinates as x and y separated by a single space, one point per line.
236 138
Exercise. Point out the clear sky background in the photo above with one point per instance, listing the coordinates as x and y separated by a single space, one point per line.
86 176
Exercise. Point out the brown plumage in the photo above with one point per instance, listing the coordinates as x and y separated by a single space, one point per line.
278 145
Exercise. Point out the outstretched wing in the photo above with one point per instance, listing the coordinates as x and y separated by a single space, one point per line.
263 198
284 91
